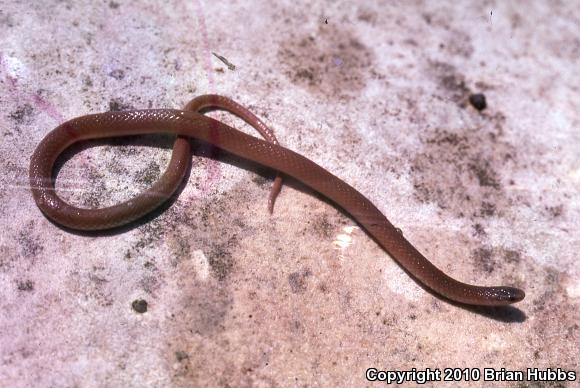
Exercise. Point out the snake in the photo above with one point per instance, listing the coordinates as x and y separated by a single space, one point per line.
191 122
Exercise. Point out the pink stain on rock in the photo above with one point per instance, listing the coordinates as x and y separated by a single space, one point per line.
47 107
34 98
213 169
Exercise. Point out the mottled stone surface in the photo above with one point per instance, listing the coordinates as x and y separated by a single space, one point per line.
213 291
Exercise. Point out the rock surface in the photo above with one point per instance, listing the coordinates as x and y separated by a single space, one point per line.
212 290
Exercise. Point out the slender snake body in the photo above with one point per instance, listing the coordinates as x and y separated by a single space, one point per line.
191 123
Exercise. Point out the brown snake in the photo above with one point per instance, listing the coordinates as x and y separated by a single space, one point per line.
191 123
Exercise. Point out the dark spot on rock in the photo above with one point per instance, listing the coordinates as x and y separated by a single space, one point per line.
479 230
452 82
113 5
331 62
97 279
459 43
550 299
117 105
6 19
87 81
92 198
181 355
555 211
297 281
297 327
485 174
477 100
463 170
182 248
220 259
29 244
139 305
322 226
483 257
354 43
26 285
117 74
149 284
23 114
305 74
203 307
512 256
218 224
487 209
149 174
450 138
367 16
455 84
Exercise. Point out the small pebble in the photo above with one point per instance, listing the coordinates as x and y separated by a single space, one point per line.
478 101
139 305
